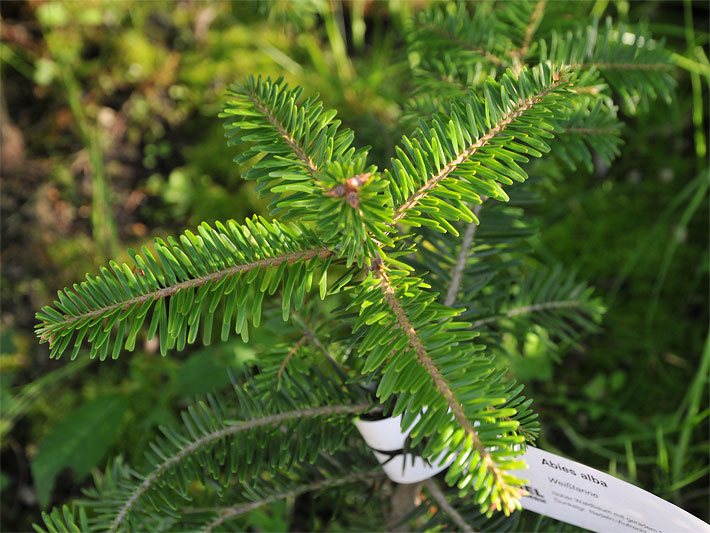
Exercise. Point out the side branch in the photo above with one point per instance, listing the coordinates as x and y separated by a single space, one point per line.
620 66
166 292
527 309
299 150
230 513
289 355
457 273
492 58
521 107
532 26
226 431
440 382
446 507
589 131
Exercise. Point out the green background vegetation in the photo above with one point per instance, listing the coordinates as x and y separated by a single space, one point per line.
110 137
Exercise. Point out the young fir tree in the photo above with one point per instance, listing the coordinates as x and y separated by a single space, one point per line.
392 300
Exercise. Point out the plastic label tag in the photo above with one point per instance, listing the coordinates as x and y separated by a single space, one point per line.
387 441
585 497
557 487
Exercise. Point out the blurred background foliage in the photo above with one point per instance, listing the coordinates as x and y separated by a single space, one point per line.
110 136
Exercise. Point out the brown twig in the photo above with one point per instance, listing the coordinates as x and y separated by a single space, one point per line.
457 274
445 506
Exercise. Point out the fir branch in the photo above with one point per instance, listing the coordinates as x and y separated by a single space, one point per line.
519 108
166 292
289 355
480 123
532 26
536 15
436 376
466 411
303 148
183 286
445 506
449 393
266 112
658 67
553 299
448 30
453 289
287 137
308 166
457 273
465 45
230 513
534 308
590 131
636 67
209 438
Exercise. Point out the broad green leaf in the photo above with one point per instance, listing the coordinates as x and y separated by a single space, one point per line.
79 442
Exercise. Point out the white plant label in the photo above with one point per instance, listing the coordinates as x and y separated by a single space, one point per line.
557 487
585 497
385 437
